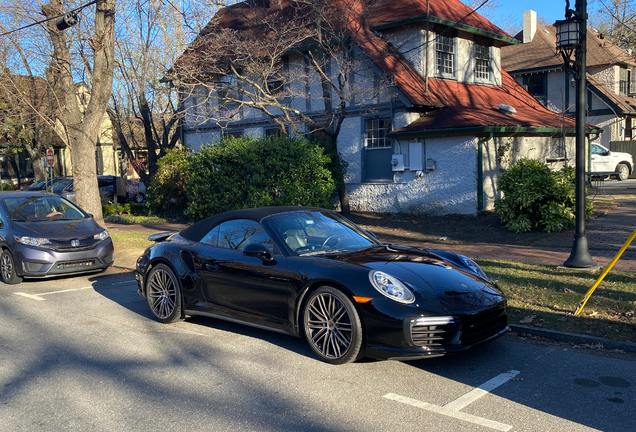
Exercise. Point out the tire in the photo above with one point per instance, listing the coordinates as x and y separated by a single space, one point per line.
163 293
7 268
140 198
332 326
623 172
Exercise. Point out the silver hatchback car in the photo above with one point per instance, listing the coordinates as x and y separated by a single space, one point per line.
44 235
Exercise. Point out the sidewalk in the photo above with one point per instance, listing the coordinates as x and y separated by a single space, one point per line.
605 236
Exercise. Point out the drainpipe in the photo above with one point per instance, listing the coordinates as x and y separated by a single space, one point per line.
480 171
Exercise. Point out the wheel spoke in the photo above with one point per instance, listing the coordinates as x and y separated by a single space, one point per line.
162 294
328 325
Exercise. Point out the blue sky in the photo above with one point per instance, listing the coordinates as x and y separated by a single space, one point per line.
510 12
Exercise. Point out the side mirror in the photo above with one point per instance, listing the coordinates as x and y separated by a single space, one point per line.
260 251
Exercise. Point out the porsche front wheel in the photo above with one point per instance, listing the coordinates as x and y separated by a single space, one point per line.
332 326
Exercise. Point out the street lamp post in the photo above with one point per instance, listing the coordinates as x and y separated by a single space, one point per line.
571 38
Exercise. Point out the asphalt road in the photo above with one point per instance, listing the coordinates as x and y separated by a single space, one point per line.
82 353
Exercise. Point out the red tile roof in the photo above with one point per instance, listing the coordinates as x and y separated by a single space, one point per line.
469 106
388 11
462 105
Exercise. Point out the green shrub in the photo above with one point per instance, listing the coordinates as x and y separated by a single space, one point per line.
255 172
536 197
133 209
6 187
166 192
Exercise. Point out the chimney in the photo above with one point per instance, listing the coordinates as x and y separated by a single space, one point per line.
529 25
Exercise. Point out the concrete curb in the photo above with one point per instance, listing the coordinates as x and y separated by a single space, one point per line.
575 338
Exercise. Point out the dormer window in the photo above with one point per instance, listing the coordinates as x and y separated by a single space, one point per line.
483 62
445 56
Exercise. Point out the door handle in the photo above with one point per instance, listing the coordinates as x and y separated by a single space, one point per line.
212 267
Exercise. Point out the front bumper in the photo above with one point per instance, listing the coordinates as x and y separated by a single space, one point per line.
408 334
419 353
38 262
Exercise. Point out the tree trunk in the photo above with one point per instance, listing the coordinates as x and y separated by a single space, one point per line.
82 128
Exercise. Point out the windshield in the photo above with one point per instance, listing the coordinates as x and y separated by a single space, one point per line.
41 208
310 232
60 185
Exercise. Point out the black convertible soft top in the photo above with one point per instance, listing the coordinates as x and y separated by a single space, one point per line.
201 228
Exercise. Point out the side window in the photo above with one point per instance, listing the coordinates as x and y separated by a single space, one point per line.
212 236
237 234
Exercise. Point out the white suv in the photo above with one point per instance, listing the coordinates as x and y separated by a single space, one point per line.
604 160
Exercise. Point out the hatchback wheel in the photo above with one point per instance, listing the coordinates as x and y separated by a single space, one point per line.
163 294
7 268
140 198
332 326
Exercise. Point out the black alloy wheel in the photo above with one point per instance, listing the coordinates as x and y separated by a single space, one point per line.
332 326
163 294
7 268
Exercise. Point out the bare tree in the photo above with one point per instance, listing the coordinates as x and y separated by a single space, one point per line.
81 123
616 20
64 58
273 60
22 127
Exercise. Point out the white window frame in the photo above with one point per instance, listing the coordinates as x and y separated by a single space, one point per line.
488 60
375 134
441 45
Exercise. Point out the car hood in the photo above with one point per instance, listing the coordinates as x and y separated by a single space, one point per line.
58 229
622 155
434 277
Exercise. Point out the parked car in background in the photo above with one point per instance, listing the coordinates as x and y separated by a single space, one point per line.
44 184
312 273
106 184
605 160
42 235
136 190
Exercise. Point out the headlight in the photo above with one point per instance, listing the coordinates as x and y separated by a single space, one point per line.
102 235
390 287
474 267
32 241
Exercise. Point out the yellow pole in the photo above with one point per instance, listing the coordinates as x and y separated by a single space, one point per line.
600 279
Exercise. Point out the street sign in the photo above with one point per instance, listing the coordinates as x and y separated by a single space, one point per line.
50 158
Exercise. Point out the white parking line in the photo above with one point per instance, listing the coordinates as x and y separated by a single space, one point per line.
452 409
38 297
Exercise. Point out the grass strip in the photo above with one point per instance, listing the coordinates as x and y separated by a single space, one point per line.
544 296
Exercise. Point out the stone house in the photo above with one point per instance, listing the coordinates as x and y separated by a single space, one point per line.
444 119
611 78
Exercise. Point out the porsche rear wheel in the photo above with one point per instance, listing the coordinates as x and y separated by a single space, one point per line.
163 294
7 268
332 326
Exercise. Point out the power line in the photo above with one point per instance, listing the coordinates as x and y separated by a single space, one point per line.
49 19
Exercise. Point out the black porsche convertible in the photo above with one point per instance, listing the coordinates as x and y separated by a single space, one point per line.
311 272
